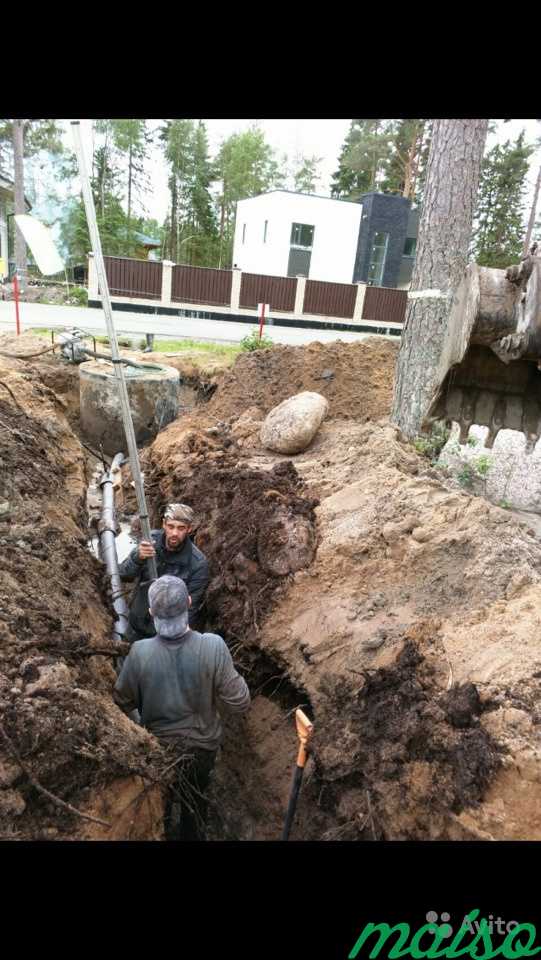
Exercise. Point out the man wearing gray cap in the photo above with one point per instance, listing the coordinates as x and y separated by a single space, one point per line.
176 555
177 680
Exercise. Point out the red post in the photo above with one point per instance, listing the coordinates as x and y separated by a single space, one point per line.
16 292
262 320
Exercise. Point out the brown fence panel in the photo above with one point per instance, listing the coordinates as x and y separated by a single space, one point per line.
201 285
278 292
330 299
385 304
134 278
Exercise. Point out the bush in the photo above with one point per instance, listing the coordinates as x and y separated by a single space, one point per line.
252 341
78 295
432 445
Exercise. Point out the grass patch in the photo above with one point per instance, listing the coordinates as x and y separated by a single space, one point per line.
199 346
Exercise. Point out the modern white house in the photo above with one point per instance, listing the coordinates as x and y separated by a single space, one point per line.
287 234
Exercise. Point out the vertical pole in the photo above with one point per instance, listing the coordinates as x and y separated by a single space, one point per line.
262 320
16 293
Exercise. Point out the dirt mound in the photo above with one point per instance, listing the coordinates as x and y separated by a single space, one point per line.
59 724
412 756
356 378
256 527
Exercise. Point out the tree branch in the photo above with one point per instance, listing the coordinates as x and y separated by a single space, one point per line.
47 793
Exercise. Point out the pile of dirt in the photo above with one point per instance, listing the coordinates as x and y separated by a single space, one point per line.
257 528
413 595
58 724
356 378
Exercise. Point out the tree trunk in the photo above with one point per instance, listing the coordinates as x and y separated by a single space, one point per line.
531 221
450 195
18 178
130 177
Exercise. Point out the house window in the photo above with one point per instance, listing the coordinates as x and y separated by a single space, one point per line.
410 247
265 231
243 232
378 256
302 235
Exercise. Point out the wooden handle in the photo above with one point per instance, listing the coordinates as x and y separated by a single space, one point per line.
304 732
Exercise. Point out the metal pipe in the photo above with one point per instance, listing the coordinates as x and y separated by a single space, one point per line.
107 537
119 372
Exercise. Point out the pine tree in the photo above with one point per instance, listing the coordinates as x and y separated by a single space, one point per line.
363 159
191 235
131 139
408 155
499 231
306 176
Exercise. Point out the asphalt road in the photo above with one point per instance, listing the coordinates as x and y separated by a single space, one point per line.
221 331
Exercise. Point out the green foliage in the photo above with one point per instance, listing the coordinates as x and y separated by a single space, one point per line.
246 165
499 231
482 465
432 445
386 155
472 442
191 231
79 295
504 504
466 476
306 176
252 341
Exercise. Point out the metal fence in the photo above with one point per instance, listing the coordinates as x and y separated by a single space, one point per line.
278 292
330 299
134 278
385 304
201 285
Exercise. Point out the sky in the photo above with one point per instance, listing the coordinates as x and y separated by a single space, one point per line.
322 138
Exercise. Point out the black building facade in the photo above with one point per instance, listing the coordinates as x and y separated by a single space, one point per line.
387 240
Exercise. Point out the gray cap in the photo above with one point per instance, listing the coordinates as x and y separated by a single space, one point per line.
181 512
168 599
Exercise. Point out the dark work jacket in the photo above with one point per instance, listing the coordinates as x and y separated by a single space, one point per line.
188 563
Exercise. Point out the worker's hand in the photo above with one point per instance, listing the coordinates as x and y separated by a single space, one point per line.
146 550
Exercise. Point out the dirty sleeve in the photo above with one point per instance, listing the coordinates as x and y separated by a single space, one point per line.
197 584
130 567
231 689
127 693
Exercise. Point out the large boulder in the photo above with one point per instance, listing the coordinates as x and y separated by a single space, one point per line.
291 426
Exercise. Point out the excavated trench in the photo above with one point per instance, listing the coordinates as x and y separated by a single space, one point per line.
60 727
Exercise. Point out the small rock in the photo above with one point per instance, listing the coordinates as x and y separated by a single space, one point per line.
9 772
422 534
5 508
372 643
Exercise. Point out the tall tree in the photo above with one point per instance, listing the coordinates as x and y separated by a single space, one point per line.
245 166
27 138
499 233
363 159
191 233
407 158
306 176
110 216
132 139
452 181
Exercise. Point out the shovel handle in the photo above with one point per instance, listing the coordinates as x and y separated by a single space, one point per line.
304 732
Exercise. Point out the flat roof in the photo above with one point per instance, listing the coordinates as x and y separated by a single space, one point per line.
298 193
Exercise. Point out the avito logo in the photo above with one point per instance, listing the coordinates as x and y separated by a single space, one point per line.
429 940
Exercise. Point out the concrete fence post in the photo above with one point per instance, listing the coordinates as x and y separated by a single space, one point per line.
299 294
93 292
167 281
359 301
236 278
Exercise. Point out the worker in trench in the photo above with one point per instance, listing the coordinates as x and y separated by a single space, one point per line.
175 555
177 680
